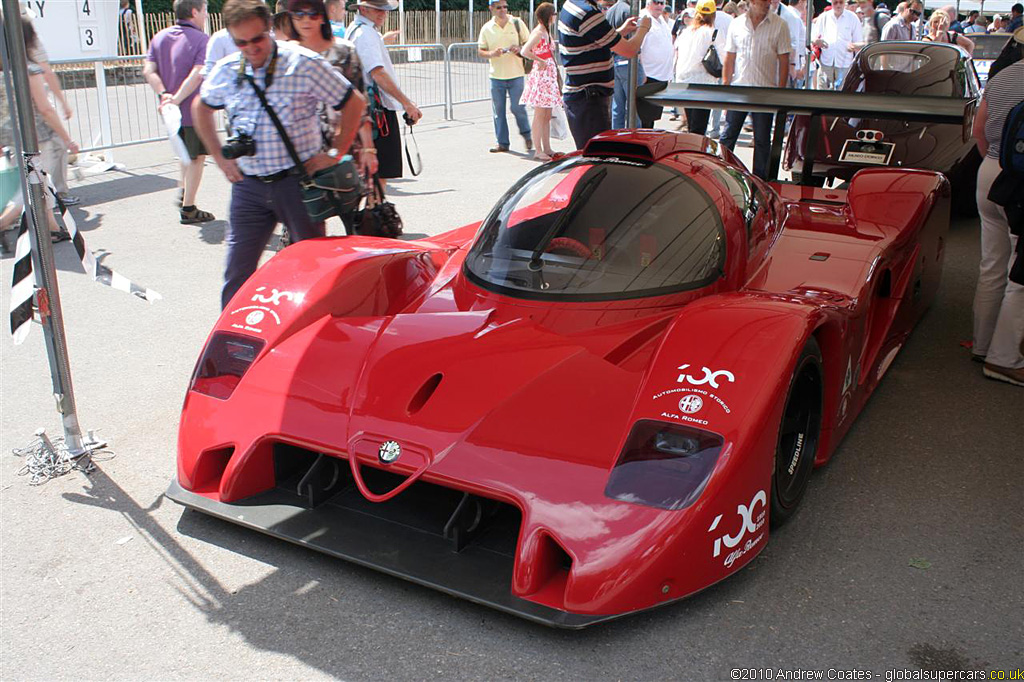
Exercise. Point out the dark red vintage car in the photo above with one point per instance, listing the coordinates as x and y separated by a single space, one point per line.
846 145
599 399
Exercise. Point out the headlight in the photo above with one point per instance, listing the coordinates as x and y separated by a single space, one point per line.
664 465
224 362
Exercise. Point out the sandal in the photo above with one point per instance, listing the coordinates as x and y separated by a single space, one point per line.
58 236
191 216
543 158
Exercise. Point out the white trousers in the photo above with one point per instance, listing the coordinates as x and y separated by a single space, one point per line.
53 158
998 302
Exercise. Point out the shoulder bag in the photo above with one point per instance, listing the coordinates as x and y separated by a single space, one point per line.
527 62
711 63
333 191
379 217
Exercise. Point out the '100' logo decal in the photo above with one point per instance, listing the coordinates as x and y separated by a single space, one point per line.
749 523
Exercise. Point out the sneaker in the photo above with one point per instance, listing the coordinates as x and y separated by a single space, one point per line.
498 148
529 142
70 199
1007 374
192 215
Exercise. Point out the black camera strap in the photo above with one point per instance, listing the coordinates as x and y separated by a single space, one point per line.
280 127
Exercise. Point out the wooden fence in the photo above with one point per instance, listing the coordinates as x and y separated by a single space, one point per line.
420 26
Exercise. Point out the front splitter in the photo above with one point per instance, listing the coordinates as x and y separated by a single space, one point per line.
475 574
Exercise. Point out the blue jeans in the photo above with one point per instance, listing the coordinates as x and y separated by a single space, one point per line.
620 98
256 207
511 88
762 137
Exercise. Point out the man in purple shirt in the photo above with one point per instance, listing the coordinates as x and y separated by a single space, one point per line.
174 70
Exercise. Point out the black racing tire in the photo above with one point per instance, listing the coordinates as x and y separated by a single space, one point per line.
815 181
799 435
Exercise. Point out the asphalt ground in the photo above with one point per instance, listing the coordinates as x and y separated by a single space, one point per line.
906 554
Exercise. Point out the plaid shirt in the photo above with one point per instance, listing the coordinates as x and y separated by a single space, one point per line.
301 80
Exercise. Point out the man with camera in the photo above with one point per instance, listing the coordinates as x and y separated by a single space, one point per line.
289 81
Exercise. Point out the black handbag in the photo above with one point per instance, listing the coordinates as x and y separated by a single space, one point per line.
379 217
332 191
711 63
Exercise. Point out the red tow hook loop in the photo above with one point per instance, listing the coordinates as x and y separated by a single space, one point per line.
389 451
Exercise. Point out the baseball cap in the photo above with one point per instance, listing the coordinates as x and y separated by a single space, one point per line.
706 7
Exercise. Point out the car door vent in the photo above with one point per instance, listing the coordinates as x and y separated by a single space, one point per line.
424 393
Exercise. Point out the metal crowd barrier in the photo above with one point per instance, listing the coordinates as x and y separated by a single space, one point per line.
468 79
115 107
421 70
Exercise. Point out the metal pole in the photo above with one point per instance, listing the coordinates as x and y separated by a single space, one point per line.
634 73
140 19
471 38
531 13
401 22
106 135
807 46
437 22
48 295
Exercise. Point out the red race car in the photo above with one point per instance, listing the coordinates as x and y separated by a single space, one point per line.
598 400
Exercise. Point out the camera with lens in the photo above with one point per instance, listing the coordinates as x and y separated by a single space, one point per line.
238 145
409 121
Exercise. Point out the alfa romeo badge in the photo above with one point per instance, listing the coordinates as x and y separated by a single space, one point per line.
389 451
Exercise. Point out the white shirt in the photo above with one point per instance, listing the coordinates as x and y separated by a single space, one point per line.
372 53
656 52
220 45
797 33
692 45
838 32
722 21
757 50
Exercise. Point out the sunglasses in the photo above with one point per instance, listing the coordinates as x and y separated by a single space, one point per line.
499 6
657 2
252 41
916 12
305 14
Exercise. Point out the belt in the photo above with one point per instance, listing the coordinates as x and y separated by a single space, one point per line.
273 177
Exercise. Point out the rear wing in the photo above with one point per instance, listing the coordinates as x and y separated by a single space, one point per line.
815 103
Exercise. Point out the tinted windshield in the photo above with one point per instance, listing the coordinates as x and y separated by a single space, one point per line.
596 229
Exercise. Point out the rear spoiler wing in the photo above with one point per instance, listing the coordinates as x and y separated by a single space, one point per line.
814 103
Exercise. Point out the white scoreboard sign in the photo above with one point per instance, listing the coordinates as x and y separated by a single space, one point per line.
76 29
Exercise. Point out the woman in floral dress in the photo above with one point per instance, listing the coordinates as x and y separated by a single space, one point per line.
543 91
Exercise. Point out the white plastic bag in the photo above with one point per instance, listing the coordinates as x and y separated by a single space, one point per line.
559 124
171 115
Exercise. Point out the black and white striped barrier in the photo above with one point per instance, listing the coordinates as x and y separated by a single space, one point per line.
23 284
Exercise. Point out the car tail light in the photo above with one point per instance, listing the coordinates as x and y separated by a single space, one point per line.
224 362
664 465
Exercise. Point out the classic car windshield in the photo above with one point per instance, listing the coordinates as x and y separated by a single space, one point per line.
597 229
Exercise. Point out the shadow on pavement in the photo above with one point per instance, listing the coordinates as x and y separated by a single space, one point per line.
123 184
213 232
330 614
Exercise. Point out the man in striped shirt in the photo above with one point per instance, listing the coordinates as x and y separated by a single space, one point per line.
586 42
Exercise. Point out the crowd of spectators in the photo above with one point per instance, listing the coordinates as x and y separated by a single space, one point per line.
336 93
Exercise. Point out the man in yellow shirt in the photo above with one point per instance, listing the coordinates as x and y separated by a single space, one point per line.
501 41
